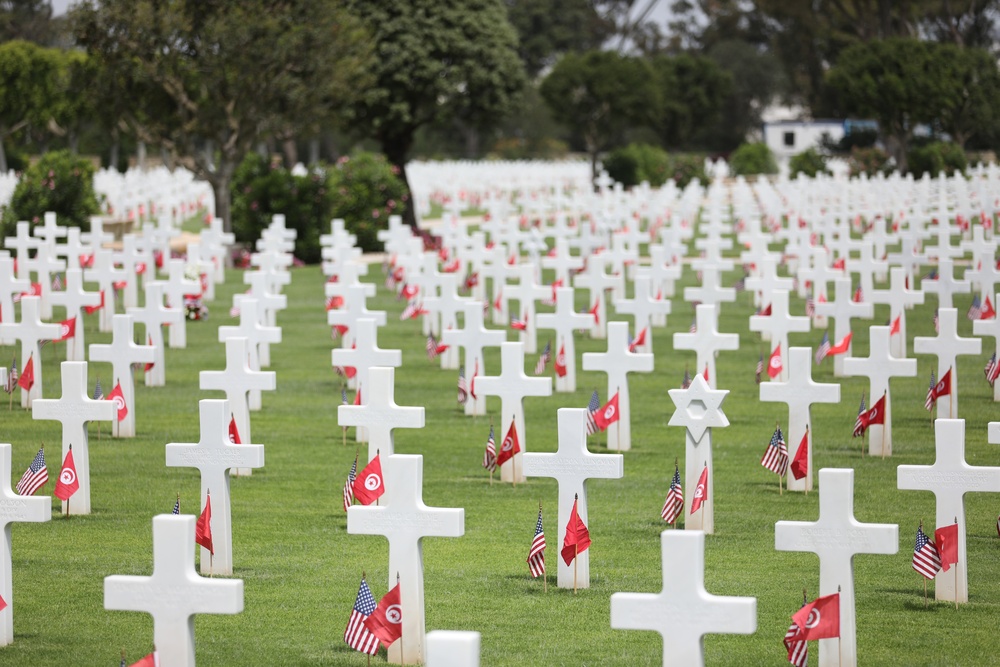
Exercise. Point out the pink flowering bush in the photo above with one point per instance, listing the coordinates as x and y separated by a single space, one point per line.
365 190
59 182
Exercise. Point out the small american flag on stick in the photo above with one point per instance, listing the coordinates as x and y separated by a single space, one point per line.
536 554
35 477
926 559
356 634
674 503
775 456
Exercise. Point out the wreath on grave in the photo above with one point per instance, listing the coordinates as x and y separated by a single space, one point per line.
194 308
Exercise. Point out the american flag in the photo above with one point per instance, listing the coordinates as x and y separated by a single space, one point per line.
177 506
592 407
823 349
992 369
431 347
349 485
976 309
760 368
926 559
543 359
686 381
11 376
490 455
859 295
859 425
810 306
694 325
35 477
410 311
98 392
343 395
57 283
356 634
674 503
536 554
463 389
775 456
931 398
741 284
798 649
937 325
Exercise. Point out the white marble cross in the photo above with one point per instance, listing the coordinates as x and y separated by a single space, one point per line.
565 320
104 273
30 331
175 592
446 307
237 380
13 508
617 363
44 264
153 316
379 415
645 309
984 274
74 410
663 271
22 243
367 354
473 337
767 280
946 285
950 478
683 612
778 325
74 299
990 329
49 230
512 386
597 283
9 288
879 366
800 392
175 287
699 410
842 309
452 648
707 341
354 308
133 254
711 290
121 353
899 298
836 537
254 332
571 466
526 292
947 345
867 266
562 262
213 455
403 518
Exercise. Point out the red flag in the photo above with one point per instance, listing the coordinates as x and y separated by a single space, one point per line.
203 526
577 536
151 660
896 325
800 464
3 603
820 619
876 415
593 311
27 379
608 414
510 445
386 622
234 432
357 395
700 491
498 302
149 341
369 485
705 373
93 309
766 312
639 341
118 397
946 540
560 364
988 312
67 329
472 380
67 484
943 387
409 291
774 365
841 347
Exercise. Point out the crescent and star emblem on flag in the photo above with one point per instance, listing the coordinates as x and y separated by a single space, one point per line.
508 444
699 492
67 476
394 614
815 618
119 402
775 362
609 413
373 482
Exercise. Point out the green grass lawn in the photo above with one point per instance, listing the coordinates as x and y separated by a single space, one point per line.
301 569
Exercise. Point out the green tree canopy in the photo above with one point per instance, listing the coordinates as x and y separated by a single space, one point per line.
598 95
970 103
29 81
435 60
549 28
693 90
208 80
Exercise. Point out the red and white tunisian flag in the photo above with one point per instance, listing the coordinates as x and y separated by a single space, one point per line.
510 445
608 414
386 622
943 387
841 346
234 432
151 660
67 330
369 485
700 491
774 365
560 364
68 484
820 619
27 379
577 537
800 464
118 397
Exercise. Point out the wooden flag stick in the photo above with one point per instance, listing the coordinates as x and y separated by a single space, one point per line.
956 557
513 456
402 660
951 403
545 577
576 558
839 643
492 467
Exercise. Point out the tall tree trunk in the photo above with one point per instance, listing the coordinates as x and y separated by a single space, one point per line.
291 151
74 142
140 155
222 181
314 151
116 145
3 159
396 152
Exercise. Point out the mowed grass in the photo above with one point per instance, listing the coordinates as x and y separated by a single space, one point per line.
301 569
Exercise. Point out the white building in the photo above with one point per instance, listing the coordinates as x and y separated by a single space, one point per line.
786 138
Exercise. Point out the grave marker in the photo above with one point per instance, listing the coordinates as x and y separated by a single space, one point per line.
617 363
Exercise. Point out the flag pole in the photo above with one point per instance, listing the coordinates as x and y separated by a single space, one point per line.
493 467
545 577
618 424
951 402
674 524
576 560
776 427
839 642
956 567
885 402
376 505
402 660
513 457
922 576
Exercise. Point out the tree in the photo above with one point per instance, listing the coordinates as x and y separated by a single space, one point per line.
971 95
208 80
435 60
693 90
75 103
894 81
549 28
598 95
28 84
29 20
